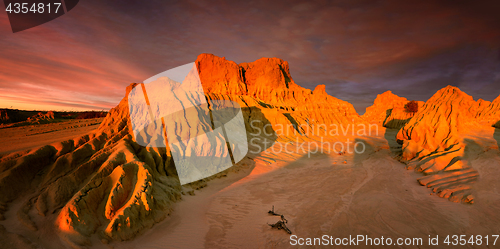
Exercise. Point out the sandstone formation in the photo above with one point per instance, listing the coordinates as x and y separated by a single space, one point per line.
432 143
378 112
13 115
399 116
489 112
106 184
41 116
266 84
388 109
99 183
16 118
268 81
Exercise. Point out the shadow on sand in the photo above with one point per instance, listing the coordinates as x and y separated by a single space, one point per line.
363 149
390 136
472 149
260 136
391 131
394 123
388 113
302 161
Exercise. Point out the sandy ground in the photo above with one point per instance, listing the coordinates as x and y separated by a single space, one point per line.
28 137
372 195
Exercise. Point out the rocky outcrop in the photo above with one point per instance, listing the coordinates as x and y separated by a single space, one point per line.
382 105
432 143
100 183
132 188
105 183
13 115
266 84
489 112
389 110
267 80
398 116
41 116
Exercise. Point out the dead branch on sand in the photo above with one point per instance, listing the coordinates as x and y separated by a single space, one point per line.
280 224
271 212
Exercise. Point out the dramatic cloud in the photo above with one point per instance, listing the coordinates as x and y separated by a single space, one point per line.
84 59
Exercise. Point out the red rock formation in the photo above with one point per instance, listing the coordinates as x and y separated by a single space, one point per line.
432 143
268 85
489 112
41 116
221 76
388 109
399 116
378 112
266 79
105 183
444 116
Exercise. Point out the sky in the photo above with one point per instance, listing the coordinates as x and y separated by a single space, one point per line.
84 59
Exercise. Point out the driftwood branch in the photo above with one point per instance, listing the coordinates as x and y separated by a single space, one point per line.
280 224
271 212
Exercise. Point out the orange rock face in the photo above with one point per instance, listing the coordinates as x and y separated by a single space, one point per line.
444 116
378 112
489 112
432 143
41 116
107 185
267 84
388 109
221 76
266 79
399 116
